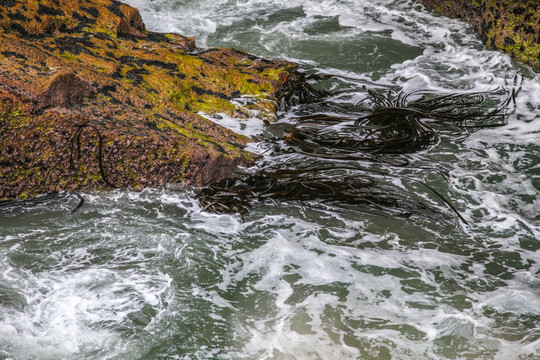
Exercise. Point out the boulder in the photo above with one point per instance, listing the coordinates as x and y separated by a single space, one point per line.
89 99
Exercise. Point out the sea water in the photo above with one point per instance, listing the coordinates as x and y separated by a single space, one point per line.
148 275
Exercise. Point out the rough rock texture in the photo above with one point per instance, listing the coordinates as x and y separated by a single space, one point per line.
512 26
89 99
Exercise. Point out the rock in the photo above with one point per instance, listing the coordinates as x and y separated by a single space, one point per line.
90 99
65 90
510 26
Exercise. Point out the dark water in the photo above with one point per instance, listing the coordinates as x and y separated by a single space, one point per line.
147 275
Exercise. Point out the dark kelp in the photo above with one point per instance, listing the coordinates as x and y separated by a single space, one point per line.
64 200
388 123
332 184
296 90
396 122
76 150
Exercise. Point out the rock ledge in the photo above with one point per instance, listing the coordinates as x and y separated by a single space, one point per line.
90 99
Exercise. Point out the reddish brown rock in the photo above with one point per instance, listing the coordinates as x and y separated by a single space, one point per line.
65 90
90 99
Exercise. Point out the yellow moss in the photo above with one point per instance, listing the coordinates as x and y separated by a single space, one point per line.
101 28
213 104
69 56
201 138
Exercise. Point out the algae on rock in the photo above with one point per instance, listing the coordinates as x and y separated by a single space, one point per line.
86 92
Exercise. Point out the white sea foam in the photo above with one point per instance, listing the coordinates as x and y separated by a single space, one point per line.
250 127
68 314
66 305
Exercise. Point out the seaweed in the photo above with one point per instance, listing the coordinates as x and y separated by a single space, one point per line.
296 90
331 184
76 150
381 128
393 124
61 198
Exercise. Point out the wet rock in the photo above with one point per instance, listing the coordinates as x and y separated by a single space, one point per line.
90 99
510 26
65 89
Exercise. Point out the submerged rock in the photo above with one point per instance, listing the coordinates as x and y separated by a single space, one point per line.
90 99
510 26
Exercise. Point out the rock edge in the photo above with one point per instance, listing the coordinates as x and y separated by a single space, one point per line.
510 26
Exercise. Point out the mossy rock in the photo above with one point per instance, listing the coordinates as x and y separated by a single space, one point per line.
510 26
90 99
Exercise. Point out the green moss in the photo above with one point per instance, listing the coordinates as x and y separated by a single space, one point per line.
180 95
69 56
29 176
183 97
522 47
101 28
212 105
90 176
201 138
187 132
12 113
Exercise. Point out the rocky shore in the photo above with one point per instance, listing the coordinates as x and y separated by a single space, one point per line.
510 26
90 99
